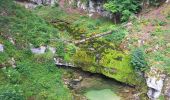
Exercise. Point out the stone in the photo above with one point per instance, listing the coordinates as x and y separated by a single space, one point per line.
11 40
44 2
40 50
92 7
154 81
167 1
1 48
12 62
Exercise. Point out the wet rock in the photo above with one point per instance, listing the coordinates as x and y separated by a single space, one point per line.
40 50
154 80
80 78
1 48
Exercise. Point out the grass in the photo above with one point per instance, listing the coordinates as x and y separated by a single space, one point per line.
35 76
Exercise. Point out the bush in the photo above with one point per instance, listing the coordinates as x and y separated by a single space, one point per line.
116 37
123 8
138 60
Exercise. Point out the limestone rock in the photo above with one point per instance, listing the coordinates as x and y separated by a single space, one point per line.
61 62
40 50
1 47
44 2
154 80
92 7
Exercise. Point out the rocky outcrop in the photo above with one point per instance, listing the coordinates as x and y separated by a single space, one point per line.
40 50
44 2
1 47
154 80
60 62
91 6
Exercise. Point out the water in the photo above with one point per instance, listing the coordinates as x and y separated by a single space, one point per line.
98 87
105 94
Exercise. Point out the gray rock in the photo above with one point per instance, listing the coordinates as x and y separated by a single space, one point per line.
92 7
44 2
154 82
40 50
1 48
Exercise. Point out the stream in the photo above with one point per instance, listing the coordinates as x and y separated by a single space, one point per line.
89 86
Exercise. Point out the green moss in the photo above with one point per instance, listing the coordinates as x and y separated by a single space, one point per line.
117 65
82 59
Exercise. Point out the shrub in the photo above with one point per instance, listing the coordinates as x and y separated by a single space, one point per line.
138 60
117 36
61 49
123 8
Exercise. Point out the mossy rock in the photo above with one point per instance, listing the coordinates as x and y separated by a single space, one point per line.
117 65
114 64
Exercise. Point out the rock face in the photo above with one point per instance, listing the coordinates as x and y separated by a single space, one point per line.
1 47
40 50
91 6
154 80
44 2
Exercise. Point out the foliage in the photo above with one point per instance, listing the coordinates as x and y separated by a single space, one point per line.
25 26
37 79
138 60
13 75
61 49
11 93
83 59
117 65
117 36
123 8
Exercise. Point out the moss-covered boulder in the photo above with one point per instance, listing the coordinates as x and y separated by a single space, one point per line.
117 65
114 64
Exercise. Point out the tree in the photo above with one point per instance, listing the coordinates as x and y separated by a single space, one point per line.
122 9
